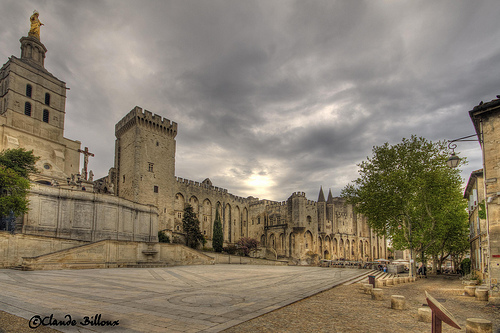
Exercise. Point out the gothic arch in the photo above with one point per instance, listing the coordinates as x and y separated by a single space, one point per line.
237 224
341 249
281 244
193 201
291 247
308 240
244 229
179 205
228 219
272 241
206 222
347 249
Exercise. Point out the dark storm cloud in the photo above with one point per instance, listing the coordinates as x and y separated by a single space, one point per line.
273 96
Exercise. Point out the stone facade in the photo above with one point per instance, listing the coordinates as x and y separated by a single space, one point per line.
32 111
88 216
297 228
486 119
141 193
474 193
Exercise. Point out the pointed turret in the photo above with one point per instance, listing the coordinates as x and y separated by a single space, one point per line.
321 197
321 210
330 197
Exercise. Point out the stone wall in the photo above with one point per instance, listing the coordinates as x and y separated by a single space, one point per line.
88 216
116 254
492 179
13 247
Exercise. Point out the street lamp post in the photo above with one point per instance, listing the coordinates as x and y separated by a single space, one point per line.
454 160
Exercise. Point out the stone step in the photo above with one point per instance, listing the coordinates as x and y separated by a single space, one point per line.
147 265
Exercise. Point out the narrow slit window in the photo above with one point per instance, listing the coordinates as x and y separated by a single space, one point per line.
155 189
28 90
27 109
47 99
45 116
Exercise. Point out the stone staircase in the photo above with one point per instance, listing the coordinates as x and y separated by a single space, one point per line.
364 278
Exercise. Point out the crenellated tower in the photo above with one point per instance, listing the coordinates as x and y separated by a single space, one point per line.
145 162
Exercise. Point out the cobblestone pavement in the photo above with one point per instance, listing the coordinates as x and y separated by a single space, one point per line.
346 309
204 298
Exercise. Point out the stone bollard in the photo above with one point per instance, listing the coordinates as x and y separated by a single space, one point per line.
407 279
368 288
470 291
379 283
389 282
478 325
377 294
398 302
395 280
425 315
481 294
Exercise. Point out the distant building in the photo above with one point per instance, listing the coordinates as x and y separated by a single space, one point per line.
478 237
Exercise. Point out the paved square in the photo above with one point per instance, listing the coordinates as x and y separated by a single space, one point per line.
202 298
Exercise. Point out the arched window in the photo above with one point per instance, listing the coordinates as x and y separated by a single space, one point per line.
47 99
27 109
45 116
28 90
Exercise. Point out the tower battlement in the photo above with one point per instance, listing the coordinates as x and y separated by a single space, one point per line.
146 118
210 187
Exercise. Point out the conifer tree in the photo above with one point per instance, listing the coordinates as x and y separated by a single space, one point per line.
191 227
218 236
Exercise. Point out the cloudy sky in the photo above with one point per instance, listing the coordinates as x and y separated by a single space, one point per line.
271 96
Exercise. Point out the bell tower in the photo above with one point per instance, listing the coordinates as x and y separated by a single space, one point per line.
32 110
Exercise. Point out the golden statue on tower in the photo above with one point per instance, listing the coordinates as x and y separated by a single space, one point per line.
35 26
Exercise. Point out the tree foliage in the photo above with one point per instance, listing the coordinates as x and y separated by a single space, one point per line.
15 167
408 193
162 237
20 161
218 236
191 227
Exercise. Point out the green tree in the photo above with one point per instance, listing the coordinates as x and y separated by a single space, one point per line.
162 237
20 161
191 227
218 236
408 193
15 167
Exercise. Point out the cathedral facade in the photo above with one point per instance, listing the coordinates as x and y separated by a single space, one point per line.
141 195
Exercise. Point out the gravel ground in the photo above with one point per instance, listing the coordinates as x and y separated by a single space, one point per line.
347 309
13 324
